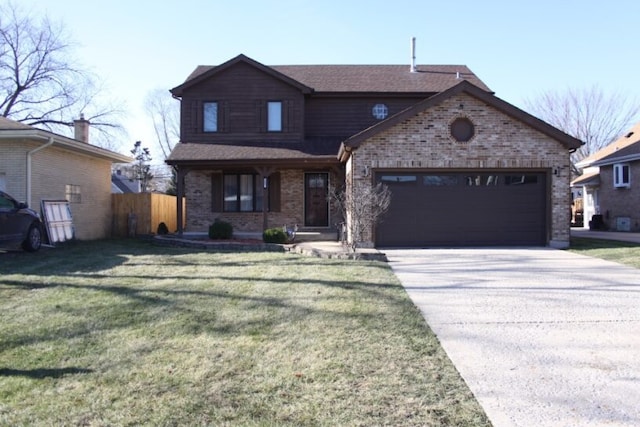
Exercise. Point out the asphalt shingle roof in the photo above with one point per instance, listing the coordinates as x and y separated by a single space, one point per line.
627 144
372 78
8 124
253 151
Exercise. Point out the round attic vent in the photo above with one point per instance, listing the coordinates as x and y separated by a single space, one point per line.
462 129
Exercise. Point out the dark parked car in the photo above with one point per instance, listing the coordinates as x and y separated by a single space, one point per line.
19 225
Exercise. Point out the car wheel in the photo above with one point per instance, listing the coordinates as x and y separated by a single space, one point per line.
33 240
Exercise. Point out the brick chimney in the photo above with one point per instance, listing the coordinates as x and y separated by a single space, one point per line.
81 129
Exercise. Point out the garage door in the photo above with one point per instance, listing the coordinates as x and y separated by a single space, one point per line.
464 209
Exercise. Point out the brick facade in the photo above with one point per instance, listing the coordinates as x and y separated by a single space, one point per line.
52 169
199 214
500 142
620 202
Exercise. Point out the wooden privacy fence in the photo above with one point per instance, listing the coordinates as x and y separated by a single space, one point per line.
141 213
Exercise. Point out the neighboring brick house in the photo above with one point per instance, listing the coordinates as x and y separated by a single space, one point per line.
261 146
607 184
37 165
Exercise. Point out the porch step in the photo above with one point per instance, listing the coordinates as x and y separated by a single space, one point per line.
316 236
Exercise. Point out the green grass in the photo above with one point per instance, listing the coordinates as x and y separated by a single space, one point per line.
123 333
621 252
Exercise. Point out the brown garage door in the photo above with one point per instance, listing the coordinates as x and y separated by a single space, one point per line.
464 209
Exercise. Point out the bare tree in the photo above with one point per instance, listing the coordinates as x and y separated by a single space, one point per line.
591 115
363 208
39 83
164 112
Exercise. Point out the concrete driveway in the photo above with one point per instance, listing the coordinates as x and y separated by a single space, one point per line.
542 337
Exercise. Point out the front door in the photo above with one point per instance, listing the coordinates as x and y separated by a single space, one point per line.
316 206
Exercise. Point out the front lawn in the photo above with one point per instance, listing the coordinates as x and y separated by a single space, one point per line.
621 252
127 333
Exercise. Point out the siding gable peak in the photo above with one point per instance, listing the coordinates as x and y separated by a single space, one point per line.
203 73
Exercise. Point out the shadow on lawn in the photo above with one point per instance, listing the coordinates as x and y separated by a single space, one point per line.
41 373
101 255
579 243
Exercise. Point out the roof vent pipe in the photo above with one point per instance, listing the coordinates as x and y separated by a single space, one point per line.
413 55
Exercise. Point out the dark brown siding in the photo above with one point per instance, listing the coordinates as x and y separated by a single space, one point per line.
346 116
242 93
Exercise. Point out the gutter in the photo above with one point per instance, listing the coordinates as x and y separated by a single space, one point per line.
29 154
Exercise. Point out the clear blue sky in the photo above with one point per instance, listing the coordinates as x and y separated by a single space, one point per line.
518 48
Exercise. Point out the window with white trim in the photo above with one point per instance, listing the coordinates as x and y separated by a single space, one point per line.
621 175
274 116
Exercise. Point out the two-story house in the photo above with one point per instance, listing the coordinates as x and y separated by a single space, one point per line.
262 145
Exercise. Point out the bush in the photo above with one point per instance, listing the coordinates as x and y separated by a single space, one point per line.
274 235
163 229
220 230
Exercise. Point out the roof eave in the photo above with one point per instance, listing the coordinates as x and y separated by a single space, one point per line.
66 143
620 159
487 97
320 160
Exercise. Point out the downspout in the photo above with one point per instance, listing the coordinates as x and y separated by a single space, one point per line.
29 154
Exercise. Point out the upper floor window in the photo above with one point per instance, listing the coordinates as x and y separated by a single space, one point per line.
210 117
621 175
274 116
380 111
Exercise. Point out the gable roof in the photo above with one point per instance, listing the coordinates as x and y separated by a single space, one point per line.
624 149
470 89
203 73
351 78
12 130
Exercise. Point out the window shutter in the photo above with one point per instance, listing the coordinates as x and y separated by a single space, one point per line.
274 192
216 192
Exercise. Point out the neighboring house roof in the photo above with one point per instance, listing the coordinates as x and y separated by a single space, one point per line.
124 185
351 78
587 179
629 138
628 153
11 130
315 150
470 89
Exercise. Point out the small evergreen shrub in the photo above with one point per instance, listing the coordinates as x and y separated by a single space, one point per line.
220 230
274 235
162 229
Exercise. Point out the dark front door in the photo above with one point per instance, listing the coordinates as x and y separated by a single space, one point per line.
316 207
